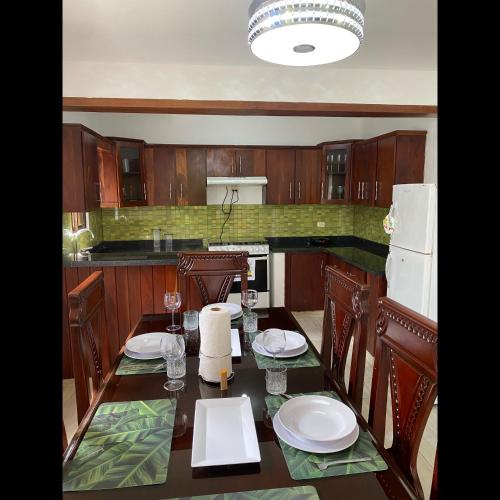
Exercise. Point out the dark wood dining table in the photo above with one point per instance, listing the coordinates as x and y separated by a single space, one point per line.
272 471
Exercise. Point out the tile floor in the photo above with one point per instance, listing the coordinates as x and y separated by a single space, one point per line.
312 322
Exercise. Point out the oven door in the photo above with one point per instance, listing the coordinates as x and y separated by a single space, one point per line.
258 275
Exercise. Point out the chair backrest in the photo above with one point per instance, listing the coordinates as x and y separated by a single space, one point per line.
434 488
206 277
345 316
89 341
405 357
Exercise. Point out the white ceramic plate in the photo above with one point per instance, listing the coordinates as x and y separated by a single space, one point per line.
297 352
235 343
234 309
294 340
313 447
148 343
134 355
317 418
224 432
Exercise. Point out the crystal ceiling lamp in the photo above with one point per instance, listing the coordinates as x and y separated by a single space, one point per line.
297 33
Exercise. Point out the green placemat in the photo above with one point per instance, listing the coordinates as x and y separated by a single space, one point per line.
299 462
135 437
129 366
304 360
296 493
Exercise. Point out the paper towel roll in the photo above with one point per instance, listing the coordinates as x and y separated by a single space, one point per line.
215 331
210 367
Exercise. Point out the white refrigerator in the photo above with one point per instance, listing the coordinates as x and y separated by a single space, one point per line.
411 267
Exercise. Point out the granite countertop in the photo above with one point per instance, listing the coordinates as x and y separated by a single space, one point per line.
364 254
134 253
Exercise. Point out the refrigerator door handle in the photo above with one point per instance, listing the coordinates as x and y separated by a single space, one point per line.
388 263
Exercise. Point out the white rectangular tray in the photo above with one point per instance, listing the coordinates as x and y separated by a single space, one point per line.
235 343
224 432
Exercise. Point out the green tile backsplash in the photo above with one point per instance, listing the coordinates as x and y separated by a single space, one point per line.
368 223
247 222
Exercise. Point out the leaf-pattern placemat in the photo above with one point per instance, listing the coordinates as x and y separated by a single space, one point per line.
295 493
304 360
129 366
299 462
126 444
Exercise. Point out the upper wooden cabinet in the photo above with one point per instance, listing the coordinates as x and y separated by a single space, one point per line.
81 186
280 172
191 176
224 162
307 176
159 162
400 160
364 167
108 175
336 173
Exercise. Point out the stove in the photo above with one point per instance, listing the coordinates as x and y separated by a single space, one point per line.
258 272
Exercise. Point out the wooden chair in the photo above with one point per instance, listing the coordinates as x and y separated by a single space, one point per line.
89 341
345 316
64 438
405 357
434 488
206 277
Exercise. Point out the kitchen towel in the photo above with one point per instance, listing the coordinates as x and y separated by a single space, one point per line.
215 342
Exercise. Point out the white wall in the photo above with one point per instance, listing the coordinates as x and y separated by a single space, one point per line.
273 83
261 130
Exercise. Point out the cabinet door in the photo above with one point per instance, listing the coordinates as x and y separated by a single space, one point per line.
221 162
91 171
304 289
280 171
336 173
386 163
250 162
191 176
160 173
307 176
73 174
108 175
131 174
363 173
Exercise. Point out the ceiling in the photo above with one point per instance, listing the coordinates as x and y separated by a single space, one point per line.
399 34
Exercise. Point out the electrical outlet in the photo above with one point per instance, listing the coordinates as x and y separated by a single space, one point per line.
320 224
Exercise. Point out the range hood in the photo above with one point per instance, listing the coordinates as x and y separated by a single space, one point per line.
237 181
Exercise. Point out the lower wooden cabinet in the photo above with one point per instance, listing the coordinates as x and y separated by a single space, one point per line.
304 277
131 291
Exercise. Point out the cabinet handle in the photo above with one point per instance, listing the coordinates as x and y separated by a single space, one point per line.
376 190
322 266
170 191
359 188
322 186
299 190
240 165
181 191
290 190
144 189
232 168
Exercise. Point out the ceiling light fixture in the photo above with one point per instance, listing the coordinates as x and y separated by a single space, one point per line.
295 33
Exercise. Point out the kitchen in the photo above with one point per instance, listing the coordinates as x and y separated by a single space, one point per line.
298 192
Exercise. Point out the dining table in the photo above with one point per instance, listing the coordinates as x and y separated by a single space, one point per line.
182 480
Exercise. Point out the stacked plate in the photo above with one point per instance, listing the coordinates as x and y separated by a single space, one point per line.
234 309
295 345
316 424
146 346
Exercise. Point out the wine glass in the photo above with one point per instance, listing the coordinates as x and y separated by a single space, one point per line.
274 340
172 349
249 298
172 301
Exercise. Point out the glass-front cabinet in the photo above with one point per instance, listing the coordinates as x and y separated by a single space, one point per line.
131 173
335 173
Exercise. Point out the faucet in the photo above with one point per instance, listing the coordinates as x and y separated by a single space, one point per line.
75 240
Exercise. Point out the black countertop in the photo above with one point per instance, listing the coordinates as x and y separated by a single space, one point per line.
364 254
134 253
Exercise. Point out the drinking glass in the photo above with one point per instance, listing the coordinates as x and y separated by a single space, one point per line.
274 340
249 298
190 320
250 322
172 349
276 380
172 301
